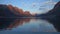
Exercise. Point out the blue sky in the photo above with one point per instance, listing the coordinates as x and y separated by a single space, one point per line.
34 6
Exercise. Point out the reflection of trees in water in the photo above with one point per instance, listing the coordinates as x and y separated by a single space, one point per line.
9 23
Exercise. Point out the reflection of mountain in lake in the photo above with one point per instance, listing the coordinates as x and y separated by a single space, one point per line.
5 22
26 24
12 22
18 22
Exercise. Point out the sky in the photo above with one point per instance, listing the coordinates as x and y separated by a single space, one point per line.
33 6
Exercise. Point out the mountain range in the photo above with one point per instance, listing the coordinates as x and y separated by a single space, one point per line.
10 11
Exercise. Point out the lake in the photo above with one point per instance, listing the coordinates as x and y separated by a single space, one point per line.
26 25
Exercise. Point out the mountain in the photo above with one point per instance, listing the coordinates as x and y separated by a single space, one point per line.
7 11
53 16
11 11
54 13
27 13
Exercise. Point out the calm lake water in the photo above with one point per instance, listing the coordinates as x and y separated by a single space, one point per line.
26 25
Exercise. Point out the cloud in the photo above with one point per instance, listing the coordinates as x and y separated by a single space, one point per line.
49 2
46 6
24 4
34 4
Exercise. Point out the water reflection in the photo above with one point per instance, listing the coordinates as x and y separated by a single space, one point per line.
5 22
18 22
9 23
26 24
